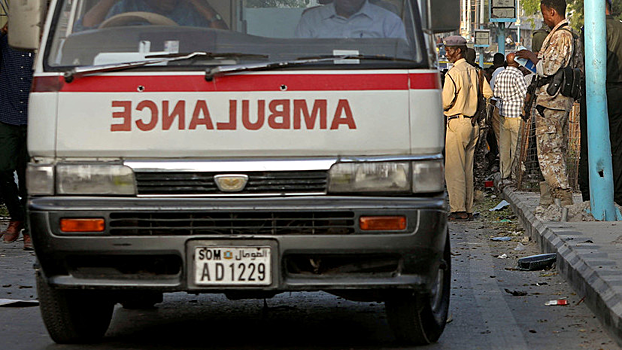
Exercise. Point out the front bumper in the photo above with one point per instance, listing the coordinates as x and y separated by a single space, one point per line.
163 260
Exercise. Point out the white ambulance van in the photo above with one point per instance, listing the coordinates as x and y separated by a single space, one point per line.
296 146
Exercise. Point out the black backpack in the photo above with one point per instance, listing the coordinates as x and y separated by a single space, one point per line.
569 80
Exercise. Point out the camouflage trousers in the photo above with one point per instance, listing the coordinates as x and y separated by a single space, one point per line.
552 141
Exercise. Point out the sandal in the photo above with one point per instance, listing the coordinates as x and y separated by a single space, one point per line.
458 216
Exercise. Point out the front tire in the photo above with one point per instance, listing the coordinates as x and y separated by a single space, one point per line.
73 316
420 319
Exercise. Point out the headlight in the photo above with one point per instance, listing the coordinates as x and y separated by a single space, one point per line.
428 176
379 177
95 179
40 179
425 176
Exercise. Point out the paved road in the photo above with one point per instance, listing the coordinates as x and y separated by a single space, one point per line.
483 314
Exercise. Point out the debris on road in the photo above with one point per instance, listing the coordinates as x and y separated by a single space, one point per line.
512 269
549 274
519 247
502 256
576 212
560 302
18 303
501 239
516 293
537 262
500 206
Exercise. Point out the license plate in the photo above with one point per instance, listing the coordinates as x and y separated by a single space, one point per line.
232 266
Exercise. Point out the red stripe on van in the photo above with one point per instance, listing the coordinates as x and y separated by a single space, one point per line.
239 83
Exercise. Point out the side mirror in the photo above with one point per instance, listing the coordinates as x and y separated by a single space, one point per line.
440 16
26 19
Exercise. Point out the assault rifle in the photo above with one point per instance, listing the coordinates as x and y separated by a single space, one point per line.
530 98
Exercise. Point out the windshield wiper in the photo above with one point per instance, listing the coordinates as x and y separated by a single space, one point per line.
210 73
358 57
79 72
212 55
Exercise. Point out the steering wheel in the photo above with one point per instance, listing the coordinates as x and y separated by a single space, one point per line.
126 18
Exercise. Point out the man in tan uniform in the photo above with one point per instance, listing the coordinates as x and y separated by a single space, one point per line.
460 104
552 116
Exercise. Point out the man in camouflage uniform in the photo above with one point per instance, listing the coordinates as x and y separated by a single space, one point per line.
552 116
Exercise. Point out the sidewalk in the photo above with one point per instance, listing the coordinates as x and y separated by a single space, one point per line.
589 256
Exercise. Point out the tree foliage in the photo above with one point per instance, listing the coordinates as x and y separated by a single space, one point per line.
574 10
530 7
578 18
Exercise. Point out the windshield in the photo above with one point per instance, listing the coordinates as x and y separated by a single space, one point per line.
233 32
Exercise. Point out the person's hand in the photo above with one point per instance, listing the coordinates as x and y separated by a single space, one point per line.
202 4
528 55
209 13
5 29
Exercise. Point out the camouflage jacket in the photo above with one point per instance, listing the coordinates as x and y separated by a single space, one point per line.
556 53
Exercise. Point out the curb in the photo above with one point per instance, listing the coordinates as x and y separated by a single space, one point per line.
591 273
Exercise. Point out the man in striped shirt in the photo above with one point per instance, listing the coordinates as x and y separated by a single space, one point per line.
511 88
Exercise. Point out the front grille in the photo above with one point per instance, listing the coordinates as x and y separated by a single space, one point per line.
124 266
207 223
297 265
202 183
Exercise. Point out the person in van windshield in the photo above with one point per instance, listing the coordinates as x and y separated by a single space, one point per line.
193 13
350 19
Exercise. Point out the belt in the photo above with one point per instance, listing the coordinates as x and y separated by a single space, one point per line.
458 116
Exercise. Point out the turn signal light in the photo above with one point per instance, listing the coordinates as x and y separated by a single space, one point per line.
382 223
82 225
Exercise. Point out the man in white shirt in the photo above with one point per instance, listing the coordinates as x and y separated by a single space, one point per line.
350 19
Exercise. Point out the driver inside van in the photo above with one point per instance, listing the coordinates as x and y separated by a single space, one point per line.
350 19
193 13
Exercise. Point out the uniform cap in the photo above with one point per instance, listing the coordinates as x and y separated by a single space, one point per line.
454 40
